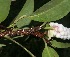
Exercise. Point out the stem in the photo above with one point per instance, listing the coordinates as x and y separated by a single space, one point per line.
20 45
43 24
44 40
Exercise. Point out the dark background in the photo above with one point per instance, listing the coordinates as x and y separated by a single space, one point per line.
34 44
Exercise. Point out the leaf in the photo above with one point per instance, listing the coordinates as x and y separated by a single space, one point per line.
22 22
60 44
1 45
52 11
4 9
49 52
27 10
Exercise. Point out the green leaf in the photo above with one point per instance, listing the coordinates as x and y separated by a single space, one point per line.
60 44
4 9
27 10
49 52
22 22
1 45
52 11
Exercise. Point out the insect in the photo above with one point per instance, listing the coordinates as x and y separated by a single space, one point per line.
35 31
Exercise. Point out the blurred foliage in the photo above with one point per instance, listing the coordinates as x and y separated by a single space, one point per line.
4 9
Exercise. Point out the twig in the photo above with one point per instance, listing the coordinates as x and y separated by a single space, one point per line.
20 45
44 24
